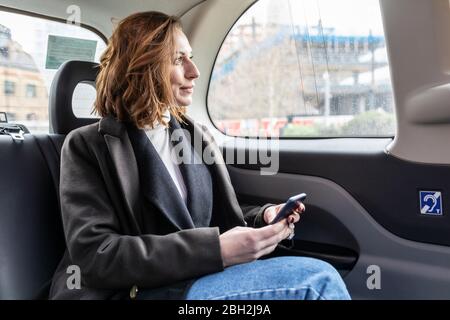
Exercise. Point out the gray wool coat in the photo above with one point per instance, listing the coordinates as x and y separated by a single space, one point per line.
115 248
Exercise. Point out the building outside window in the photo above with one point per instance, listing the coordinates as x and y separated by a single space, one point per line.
10 88
30 91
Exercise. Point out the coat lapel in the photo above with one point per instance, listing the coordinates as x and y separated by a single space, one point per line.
126 166
196 176
161 192
124 163
230 209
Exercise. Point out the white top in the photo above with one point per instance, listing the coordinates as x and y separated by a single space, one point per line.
160 138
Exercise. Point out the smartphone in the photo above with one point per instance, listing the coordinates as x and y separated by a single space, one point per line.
290 205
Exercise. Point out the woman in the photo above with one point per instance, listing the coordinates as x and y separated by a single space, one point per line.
139 225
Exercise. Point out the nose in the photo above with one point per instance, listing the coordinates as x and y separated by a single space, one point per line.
192 71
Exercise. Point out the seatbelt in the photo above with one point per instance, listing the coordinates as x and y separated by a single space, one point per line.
16 131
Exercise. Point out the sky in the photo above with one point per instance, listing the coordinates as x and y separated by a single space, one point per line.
348 17
23 29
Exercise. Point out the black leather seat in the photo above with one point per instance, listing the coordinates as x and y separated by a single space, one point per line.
31 236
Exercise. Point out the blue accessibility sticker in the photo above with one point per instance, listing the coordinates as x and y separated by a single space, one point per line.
431 203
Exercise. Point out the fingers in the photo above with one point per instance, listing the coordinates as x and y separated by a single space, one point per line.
268 245
295 217
292 231
272 234
291 236
242 244
271 212
270 230
267 250
300 207
277 237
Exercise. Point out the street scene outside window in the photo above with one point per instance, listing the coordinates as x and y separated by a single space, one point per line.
306 68
31 50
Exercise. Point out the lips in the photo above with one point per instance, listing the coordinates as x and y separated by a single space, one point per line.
188 89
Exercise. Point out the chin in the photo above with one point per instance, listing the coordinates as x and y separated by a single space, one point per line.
184 102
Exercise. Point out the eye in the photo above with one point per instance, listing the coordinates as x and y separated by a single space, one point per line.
178 60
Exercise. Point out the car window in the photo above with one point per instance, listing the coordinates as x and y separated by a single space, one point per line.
31 50
306 68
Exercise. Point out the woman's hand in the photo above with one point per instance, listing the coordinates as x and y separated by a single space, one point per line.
271 212
241 244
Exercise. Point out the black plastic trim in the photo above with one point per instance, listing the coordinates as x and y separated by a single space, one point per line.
387 187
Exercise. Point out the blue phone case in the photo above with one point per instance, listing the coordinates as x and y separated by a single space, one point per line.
286 210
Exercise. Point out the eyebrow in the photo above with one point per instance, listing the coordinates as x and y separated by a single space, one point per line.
183 53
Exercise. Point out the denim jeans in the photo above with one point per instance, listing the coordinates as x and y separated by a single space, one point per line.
281 278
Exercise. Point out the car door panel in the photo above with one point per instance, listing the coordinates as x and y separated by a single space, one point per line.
347 206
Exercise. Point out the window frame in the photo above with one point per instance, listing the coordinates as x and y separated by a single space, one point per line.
51 18
33 91
6 9
8 84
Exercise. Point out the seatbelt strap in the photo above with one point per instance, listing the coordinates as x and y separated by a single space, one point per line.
15 131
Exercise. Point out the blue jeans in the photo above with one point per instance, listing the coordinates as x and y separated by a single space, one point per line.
282 278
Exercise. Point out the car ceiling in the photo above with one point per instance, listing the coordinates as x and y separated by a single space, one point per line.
100 13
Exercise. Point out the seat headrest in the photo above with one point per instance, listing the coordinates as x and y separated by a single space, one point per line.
70 74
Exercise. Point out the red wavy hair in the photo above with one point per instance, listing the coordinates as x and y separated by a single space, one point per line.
134 79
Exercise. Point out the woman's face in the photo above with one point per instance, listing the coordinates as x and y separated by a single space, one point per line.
183 71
